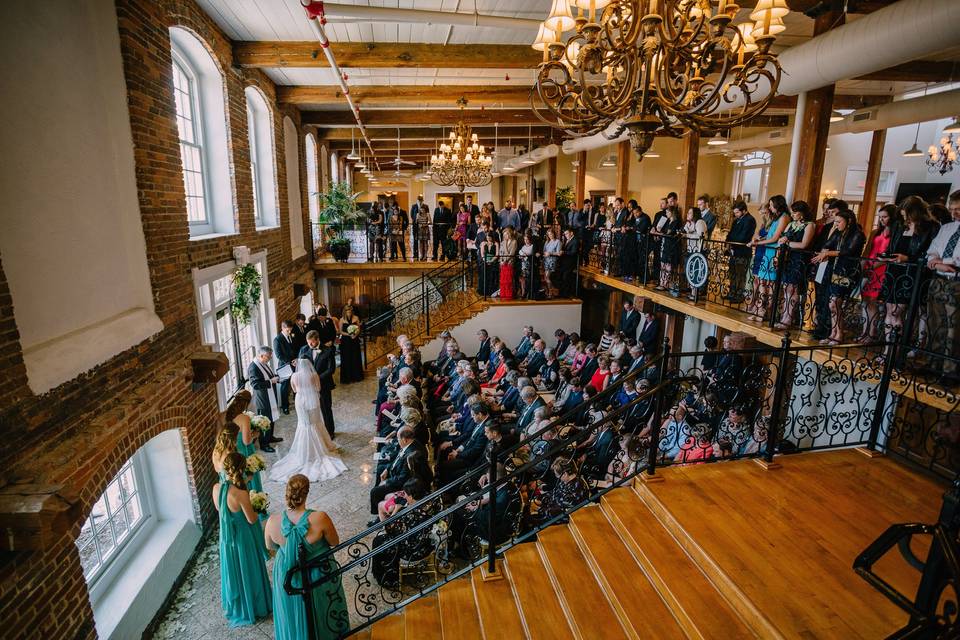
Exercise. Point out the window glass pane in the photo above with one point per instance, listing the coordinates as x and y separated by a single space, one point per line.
312 184
221 291
205 302
134 511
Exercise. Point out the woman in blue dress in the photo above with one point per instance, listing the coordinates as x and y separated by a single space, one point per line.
774 218
301 534
244 584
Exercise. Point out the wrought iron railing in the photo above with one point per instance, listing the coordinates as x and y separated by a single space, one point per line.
373 242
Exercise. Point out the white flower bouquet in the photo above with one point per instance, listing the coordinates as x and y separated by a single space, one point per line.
260 501
440 527
260 423
255 463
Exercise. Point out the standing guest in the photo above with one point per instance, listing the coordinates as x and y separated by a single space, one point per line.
262 378
323 358
774 220
300 331
908 245
421 231
642 225
244 584
821 279
669 233
796 238
508 256
471 208
376 232
508 216
695 231
324 326
442 218
473 230
527 267
552 250
655 240
843 249
483 352
568 265
286 351
524 218
578 220
708 216
628 241
629 319
460 233
351 357
740 233
489 264
943 301
300 535
647 332
398 228
878 243
596 220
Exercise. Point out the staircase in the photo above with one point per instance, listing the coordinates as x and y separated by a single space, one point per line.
676 560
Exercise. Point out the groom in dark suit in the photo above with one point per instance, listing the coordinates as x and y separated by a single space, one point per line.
324 362
262 378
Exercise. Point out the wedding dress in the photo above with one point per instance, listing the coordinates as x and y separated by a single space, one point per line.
312 452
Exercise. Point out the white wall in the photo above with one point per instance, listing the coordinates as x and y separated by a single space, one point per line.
72 242
506 322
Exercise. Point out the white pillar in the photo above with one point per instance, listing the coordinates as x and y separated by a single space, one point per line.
795 147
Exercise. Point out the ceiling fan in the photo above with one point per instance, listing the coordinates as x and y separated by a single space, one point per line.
398 161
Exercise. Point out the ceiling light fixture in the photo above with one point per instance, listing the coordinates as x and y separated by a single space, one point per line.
353 154
914 151
462 161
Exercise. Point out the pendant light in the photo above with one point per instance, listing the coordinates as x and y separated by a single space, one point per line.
353 153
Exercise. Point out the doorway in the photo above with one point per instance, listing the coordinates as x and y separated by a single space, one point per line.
454 199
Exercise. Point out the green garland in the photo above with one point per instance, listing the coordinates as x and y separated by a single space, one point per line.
246 292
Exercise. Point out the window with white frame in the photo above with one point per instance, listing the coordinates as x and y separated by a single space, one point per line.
262 165
750 177
334 169
324 169
204 137
239 343
116 518
313 188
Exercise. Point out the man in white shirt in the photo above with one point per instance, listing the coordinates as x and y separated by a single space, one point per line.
943 299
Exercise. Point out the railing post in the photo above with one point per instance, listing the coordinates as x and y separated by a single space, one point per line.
781 258
658 410
426 300
912 312
305 593
773 429
492 511
371 243
877 420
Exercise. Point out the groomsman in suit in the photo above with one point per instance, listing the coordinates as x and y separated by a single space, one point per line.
323 325
323 358
393 477
442 219
262 377
472 209
300 332
286 351
647 333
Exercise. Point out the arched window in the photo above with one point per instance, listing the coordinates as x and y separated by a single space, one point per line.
750 176
324 170
262 165
202 128
291 160
334 169
312 186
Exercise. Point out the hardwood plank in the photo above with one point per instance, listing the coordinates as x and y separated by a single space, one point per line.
447 117
699 608
390 628
786 540
579 592
388 54
638 604
499 617
543 616
363 634
458 610
422 619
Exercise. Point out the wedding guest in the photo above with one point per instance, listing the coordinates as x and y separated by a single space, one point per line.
878 243
843 248
244 585
552 250
568 264
775 217
797 238
300 535
669 233
695 231
460 232
741 232
943 257
397 473
285 348
489 264
262 378
398 228
819 276
376 231
508 254
351 357
421 231
527 266
708 216
601 376
442 219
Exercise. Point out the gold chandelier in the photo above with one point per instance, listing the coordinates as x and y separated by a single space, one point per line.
461 161
655 65
941 157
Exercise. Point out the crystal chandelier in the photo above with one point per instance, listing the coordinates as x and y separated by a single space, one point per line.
462 161
655 66
941 157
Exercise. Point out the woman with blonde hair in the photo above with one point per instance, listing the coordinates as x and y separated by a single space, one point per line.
246 434
299 534
225 444
508 257
244 585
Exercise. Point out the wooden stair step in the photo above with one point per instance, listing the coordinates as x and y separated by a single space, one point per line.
696 604
641 609
389 628
543 616
458 610
576 587
363 634
422 619
499 617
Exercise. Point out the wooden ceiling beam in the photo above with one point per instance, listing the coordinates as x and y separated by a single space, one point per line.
916 71
386 55
426 132
399 117
383 95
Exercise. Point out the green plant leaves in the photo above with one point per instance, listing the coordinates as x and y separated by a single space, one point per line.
247 283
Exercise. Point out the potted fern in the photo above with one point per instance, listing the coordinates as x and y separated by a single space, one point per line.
338 208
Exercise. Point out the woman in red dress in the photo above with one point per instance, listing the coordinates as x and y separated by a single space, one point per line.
508 258
601 378
888 219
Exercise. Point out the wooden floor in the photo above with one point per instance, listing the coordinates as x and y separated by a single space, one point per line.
725 550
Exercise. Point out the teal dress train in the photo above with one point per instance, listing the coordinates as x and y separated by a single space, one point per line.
247 450
327 600
244 583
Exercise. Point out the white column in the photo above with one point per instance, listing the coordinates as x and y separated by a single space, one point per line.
795 146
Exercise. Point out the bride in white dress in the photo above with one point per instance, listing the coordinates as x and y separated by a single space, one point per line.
312 452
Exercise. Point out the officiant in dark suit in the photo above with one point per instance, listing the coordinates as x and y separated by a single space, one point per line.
262 377
324 361
286 350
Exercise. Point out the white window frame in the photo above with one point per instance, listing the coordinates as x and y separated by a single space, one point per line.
208 308
263 170
117 558
197 227
313 187
766 160
334 167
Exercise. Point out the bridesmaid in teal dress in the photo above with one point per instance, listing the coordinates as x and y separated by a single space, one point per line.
247 446
225 444
286 532
244 584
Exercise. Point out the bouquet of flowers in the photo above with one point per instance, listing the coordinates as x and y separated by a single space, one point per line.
255 463
260 502
260 423
440 527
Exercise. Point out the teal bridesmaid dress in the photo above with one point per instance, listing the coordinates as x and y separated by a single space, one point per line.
244 583
247 450
327 600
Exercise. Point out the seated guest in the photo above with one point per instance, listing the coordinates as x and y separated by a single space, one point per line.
598 451
708 361
567 357
606 339
563 387
601 377
530 401
563 342
625 395
490 366
639 417
456 459
591 413
572 399
618 347
636 359
397 473
590 365
735 436
526 343
503 366
725 378
569 491
474 520
549 374
616 373
535 359
483 351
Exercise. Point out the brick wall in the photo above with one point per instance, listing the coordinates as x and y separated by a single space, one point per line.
80 433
